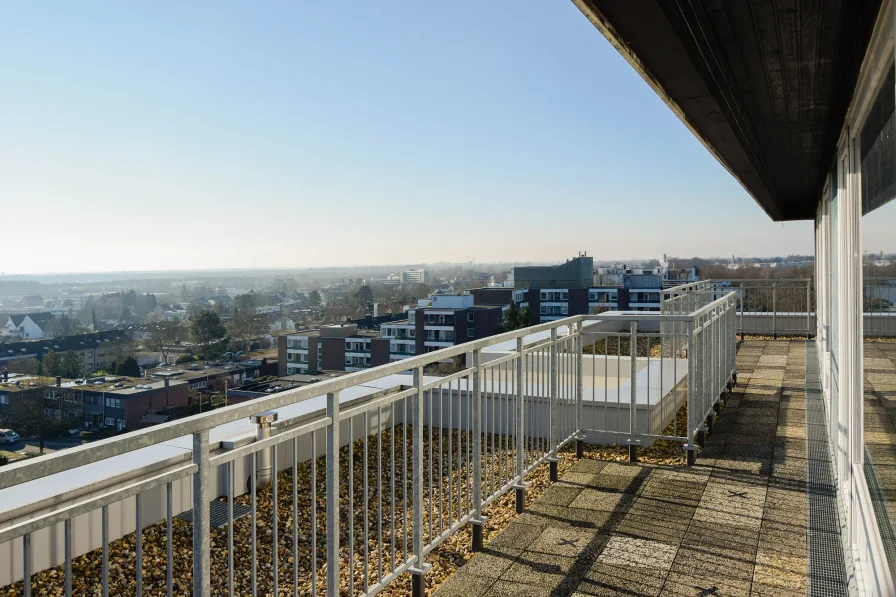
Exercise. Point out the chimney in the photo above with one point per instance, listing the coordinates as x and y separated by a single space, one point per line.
5 375
58 381
167 382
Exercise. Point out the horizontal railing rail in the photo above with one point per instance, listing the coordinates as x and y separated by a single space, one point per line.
379 471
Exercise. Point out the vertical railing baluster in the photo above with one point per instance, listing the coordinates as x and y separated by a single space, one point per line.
579 398
404 478
201 516
104 531
366 523
231 493
68 557
138 543
477 521
553 410
633 441
275 539
418 584
169 529
691 392
295 516
314 514
26 562
253 560
350 507
333 494
520 430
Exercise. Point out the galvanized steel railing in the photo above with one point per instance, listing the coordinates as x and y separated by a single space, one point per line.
391 474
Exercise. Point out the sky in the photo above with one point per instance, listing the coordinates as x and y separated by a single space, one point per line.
173 135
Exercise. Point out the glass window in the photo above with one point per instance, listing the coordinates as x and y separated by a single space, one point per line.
877 142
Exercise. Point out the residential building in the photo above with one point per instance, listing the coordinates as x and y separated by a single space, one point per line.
29 326
415 276
97 350
122 403
338 347
440 321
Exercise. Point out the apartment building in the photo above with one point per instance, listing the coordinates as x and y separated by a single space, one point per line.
440 321
575 288
110 401
97 350
338 347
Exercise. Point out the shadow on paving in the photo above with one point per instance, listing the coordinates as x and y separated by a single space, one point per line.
733 525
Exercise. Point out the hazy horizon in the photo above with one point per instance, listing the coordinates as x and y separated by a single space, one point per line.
393 266
232 136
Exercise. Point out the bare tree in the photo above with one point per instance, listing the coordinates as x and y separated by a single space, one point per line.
42 412
165 336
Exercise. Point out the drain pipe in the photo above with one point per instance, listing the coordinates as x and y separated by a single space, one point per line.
263 458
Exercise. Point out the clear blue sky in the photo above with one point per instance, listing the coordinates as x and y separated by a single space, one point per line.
214 134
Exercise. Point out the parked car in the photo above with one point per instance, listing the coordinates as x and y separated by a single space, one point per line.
8 436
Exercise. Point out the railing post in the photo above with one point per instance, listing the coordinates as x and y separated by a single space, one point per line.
201 516
632 441
477 520
553 418
580 358
808 309
774 310
690 447
520 432
740 293
418 571
333 494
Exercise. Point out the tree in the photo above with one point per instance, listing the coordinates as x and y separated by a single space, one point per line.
314 298
166 335
72 366
41 412
245 302
51 364
515 319
129 368
27 366
246 327
209 333
365 297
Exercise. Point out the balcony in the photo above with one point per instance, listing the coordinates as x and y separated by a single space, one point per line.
523 401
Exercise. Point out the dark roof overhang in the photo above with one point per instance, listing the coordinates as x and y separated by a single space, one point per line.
765 86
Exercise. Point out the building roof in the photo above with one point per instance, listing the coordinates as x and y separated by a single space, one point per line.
764 88
33 348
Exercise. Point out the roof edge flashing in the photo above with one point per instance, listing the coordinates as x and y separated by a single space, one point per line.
609 33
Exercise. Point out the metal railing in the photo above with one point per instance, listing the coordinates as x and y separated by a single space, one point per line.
879 306
786 306
772 306
375 478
